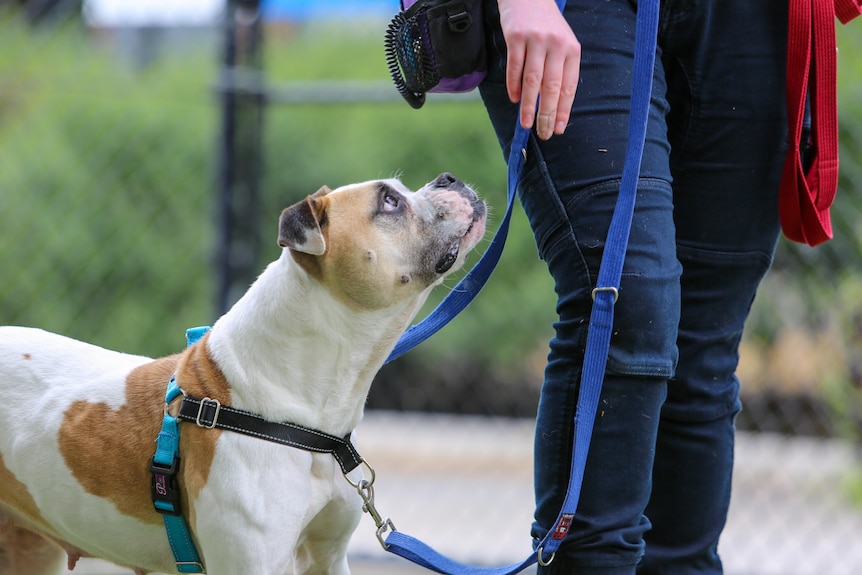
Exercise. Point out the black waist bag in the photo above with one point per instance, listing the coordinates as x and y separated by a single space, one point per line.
436 46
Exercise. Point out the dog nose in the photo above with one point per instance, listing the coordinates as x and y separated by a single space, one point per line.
446 180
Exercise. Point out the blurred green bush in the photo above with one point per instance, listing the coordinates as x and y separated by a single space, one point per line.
105 181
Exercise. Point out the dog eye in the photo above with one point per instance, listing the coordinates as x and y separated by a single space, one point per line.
391 202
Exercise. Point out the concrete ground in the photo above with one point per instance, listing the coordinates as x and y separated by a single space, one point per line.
463 486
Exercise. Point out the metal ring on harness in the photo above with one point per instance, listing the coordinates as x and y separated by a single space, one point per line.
363 483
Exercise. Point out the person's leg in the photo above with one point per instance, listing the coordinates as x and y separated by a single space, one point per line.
569 190
724 64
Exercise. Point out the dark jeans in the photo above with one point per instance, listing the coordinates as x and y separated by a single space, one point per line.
657 483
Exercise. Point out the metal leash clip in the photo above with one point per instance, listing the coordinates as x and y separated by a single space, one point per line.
365 488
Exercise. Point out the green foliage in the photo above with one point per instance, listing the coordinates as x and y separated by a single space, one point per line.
107 187
104 194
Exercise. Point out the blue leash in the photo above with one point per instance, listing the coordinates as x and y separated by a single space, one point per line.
601 319
470 285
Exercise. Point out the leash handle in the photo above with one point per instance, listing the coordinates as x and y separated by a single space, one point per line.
806 192
804 198
601 319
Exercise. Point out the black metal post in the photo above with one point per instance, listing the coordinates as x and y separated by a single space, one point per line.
240 154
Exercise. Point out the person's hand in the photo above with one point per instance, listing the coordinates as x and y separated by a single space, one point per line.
544 60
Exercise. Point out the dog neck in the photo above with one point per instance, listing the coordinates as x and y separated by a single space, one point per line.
291 352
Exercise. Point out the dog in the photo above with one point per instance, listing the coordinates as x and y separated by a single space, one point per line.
303 344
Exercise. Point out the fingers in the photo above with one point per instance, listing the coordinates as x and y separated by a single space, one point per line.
533 81
543 63
552 78
557 93
515 70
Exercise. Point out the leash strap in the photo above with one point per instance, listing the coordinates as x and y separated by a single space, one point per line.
847 10
806 195
601 320
210 413
470 285
610 272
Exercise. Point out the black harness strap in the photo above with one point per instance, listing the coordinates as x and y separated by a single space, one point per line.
210 413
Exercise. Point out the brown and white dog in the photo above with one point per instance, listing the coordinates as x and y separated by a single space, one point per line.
78 422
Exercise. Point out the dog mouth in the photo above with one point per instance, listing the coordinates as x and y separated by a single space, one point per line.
449 258
456 200
451 255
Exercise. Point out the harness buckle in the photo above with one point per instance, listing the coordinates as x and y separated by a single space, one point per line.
164 489
200 420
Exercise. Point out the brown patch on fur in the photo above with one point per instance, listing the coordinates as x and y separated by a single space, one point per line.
15 495
109 451
362 269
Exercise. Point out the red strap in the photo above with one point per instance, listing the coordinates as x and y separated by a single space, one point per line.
846 10
804 198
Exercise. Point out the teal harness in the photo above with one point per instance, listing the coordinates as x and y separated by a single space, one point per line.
211 414
165 488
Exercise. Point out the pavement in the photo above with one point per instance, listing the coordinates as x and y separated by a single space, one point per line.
463 485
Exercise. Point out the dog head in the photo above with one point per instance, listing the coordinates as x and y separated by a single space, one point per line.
377 243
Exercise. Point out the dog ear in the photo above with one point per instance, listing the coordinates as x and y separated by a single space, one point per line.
300 226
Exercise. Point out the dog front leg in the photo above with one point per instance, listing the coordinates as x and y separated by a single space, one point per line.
322 548
322 557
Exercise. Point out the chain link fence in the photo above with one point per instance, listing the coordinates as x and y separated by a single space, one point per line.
113 223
